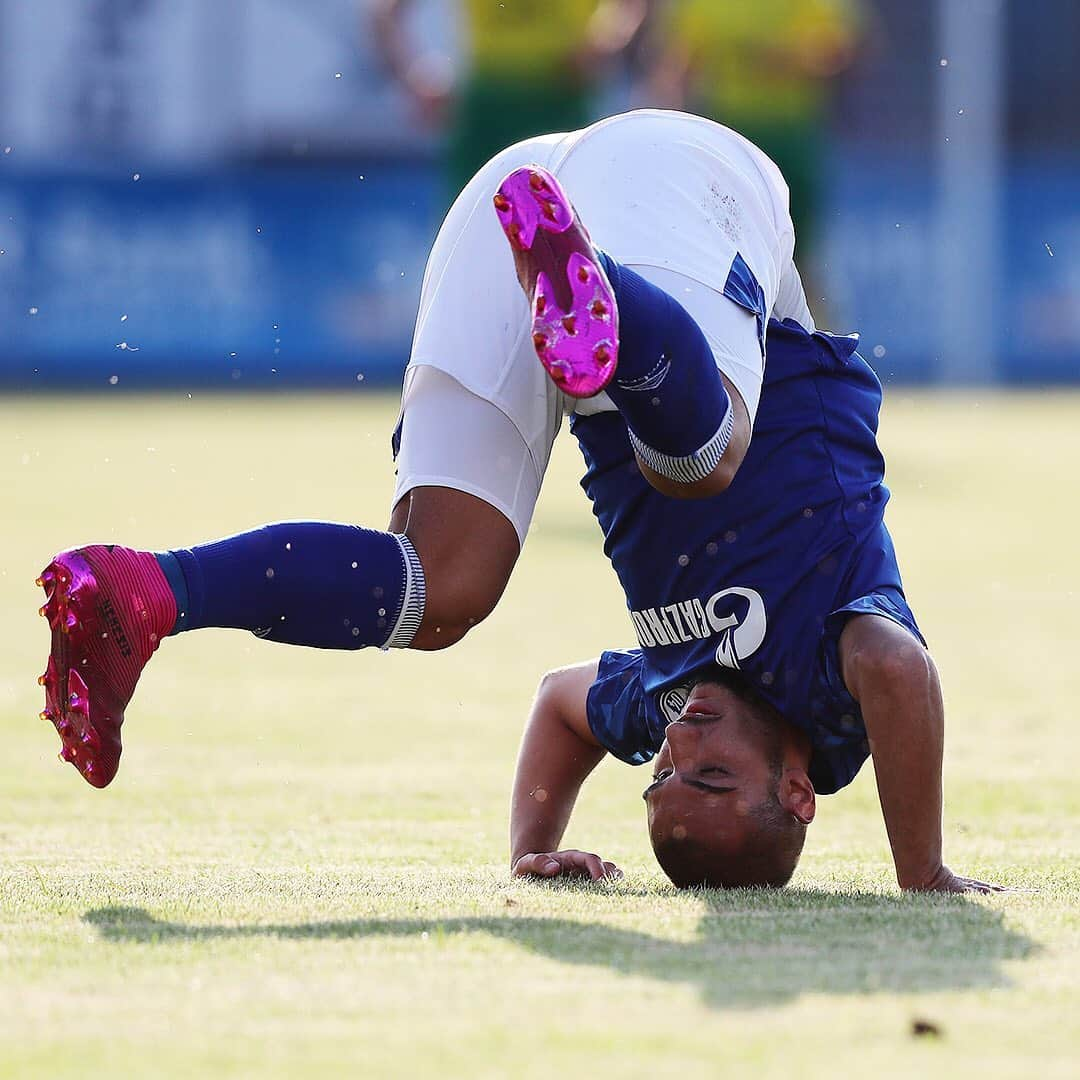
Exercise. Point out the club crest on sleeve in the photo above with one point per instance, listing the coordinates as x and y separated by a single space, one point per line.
672 701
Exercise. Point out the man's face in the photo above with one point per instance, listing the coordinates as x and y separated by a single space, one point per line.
717 762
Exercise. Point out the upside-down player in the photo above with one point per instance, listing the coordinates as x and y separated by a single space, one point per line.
766 557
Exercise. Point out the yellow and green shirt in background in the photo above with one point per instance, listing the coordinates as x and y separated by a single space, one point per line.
729 43
525 40
520 77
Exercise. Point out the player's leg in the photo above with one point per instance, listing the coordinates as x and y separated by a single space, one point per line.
467 486
599 324
322 584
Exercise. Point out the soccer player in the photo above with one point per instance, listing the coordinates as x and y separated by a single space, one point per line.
776 649
655 325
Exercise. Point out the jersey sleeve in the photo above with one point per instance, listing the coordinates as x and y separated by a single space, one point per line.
617 709
888 602
839 737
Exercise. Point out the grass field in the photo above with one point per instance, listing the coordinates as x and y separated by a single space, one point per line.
301 868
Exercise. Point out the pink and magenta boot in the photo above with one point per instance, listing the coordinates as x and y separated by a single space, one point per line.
575 320
108 608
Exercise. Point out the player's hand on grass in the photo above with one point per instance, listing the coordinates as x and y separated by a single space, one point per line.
946 881
572 863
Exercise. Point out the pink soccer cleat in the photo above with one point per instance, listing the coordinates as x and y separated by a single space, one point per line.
108 608
575 320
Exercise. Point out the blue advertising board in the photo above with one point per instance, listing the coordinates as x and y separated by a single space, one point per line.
311 276
883 271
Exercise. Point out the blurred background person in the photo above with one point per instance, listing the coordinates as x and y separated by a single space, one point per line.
529 66
763 67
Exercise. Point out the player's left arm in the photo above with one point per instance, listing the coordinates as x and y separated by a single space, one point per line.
896 684
558 752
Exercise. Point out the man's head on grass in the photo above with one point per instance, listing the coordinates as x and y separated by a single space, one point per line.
731 797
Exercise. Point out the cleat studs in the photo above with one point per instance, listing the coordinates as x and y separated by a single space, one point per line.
536 181
67 754
88 769
43 611
49 679
602 354
598 309
569 324
76 685
79 696
582 274
540 342
502 203
548 208
46 714
541 303
39 581
64 727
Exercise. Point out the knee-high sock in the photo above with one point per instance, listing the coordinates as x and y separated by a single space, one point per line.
667 385
302 582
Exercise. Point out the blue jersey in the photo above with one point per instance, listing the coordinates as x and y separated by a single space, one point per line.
762 577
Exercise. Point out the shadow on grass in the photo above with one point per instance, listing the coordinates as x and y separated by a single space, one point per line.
751 948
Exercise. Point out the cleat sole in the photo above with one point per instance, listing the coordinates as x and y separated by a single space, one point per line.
575 321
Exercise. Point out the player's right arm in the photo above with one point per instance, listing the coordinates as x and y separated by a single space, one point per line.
558 752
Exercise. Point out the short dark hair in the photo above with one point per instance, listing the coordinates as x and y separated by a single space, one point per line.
766 859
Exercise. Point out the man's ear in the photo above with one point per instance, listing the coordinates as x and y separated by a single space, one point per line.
797 795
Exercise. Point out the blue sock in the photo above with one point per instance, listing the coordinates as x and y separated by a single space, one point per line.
667 385
302 582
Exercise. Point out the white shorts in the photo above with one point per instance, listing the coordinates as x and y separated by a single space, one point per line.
674 196
452 438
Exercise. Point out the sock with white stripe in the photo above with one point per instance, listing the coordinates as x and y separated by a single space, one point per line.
667 385
302 582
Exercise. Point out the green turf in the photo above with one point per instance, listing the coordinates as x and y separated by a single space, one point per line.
300 869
